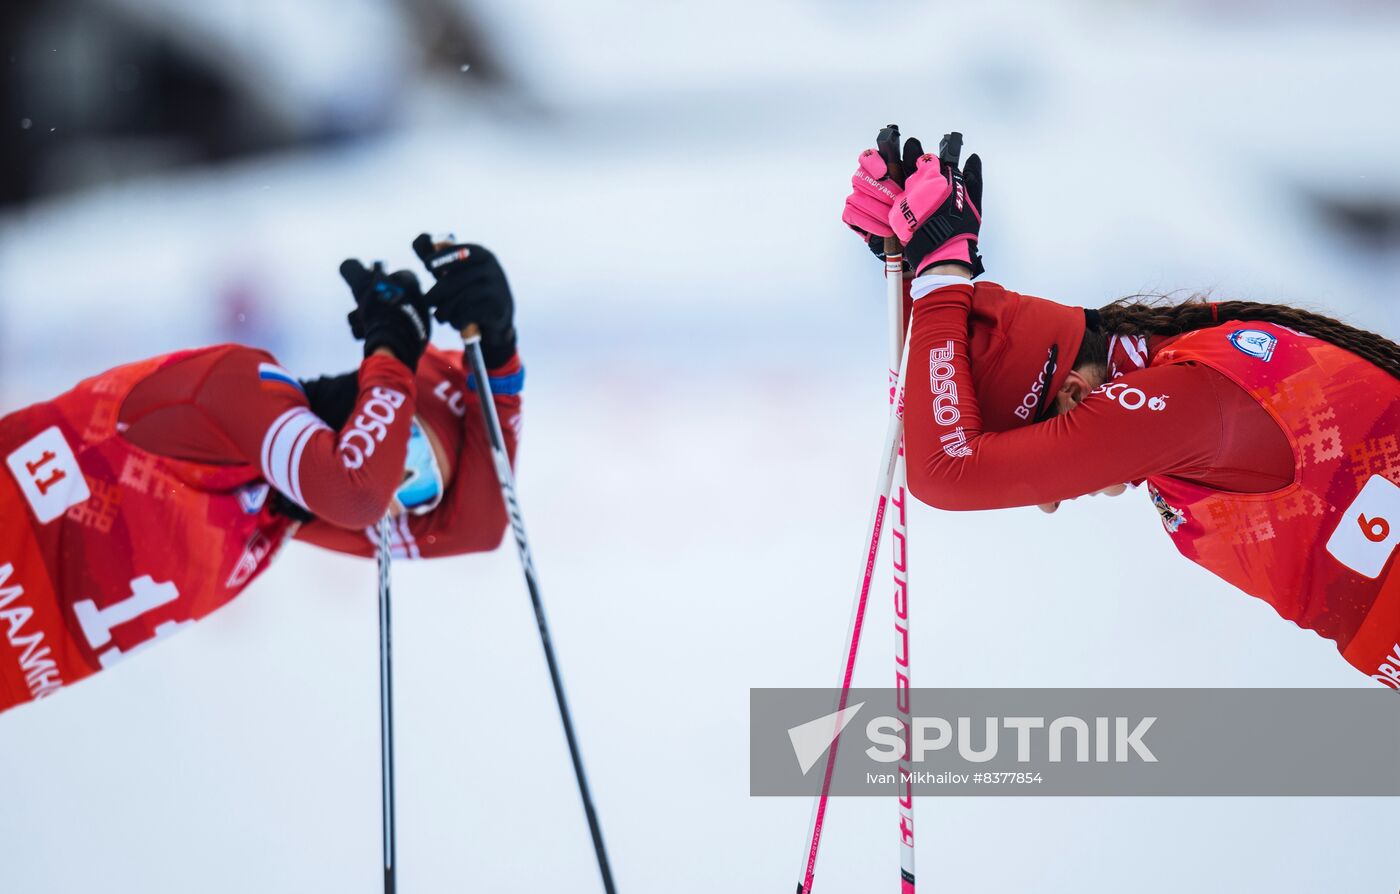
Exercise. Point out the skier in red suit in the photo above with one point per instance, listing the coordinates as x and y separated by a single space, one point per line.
152 494
1268 437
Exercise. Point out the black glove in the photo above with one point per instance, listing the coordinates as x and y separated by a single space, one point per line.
390 311
283 506
471 288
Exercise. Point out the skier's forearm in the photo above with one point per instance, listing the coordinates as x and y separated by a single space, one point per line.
953 464
942 423
472 518
346 478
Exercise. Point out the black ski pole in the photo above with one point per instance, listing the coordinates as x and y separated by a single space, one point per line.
386 711
506 478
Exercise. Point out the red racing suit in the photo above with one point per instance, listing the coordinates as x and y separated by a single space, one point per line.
471 518
1206 424
138 501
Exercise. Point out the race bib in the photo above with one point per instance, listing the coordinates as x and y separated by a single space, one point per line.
1369 529
47 473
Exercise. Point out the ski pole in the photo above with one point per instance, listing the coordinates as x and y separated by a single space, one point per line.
386 711
887 143
506 478
894 431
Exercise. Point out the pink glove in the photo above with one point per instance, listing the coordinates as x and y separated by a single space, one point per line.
938 215
872 196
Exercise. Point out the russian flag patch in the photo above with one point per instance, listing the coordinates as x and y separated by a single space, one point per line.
271 372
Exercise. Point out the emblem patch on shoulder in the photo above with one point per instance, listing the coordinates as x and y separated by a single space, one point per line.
1256 343
1172 518
252 497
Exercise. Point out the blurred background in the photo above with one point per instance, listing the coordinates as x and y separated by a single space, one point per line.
703 415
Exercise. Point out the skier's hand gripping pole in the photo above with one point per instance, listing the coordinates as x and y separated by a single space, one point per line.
889 490
472 333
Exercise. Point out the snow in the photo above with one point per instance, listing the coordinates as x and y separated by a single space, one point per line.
704 409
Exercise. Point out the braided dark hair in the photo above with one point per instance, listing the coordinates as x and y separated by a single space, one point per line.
1155 315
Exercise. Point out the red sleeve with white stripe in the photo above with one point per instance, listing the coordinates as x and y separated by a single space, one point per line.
347 478
1102 442
472 517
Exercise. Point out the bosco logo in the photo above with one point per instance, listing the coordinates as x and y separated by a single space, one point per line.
368 429
1031 400
453 397
1130 398
945 400
940 382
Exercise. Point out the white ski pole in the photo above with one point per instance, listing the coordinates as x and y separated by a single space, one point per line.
894 431
888 145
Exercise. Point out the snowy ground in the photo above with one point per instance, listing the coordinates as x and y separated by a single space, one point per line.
684 559
704 408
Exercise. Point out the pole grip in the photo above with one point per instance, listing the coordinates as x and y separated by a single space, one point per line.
950 148
887 144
